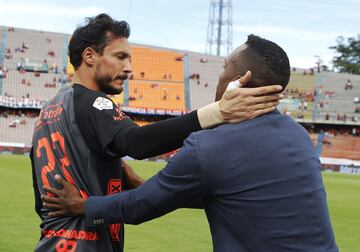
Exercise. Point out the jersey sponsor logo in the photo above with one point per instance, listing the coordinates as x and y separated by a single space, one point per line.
50 114
71 234
120 115
103 103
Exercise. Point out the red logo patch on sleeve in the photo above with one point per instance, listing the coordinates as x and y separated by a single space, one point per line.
114 186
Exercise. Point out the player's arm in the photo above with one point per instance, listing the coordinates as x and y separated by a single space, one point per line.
181 181
236 105
131 179
106 130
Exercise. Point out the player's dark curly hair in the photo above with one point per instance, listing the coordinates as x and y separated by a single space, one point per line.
97 33
268 62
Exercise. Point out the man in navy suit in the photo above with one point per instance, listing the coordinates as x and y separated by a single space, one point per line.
259 180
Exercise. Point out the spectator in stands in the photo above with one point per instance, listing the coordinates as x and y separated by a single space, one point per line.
51 53
305 105
206 85
24 46
165 94
326 105
142 74
348 85
344 117
354 132
18 66
356 100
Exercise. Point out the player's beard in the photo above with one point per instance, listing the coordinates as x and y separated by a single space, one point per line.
104 82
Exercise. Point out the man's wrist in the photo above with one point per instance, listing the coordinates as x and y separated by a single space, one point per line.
210 115
80 207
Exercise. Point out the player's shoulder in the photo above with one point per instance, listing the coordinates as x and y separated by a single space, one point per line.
88 99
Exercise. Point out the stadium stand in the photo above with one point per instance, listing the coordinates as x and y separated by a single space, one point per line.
34 61
203 76
16 129
157 65
148 94
158 79
342 146
335 101
299 95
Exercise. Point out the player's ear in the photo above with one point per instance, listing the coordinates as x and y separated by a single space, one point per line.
88 56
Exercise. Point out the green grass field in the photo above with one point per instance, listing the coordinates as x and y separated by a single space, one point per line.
182 230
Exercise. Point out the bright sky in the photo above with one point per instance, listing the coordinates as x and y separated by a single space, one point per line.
303 28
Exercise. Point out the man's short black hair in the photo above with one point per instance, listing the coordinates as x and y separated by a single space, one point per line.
97 33
268 62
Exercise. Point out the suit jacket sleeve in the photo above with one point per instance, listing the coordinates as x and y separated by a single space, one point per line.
182 180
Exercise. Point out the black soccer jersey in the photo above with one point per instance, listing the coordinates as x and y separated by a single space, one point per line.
59 147
81 134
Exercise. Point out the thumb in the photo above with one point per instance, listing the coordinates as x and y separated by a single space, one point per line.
245 79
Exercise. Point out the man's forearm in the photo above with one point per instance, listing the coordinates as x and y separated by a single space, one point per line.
158 138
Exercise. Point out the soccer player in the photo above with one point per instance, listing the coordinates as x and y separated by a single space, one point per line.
82 134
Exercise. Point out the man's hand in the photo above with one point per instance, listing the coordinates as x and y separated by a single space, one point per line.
132 180
66 202
241 103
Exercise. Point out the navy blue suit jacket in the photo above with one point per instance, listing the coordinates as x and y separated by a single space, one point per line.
259 181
